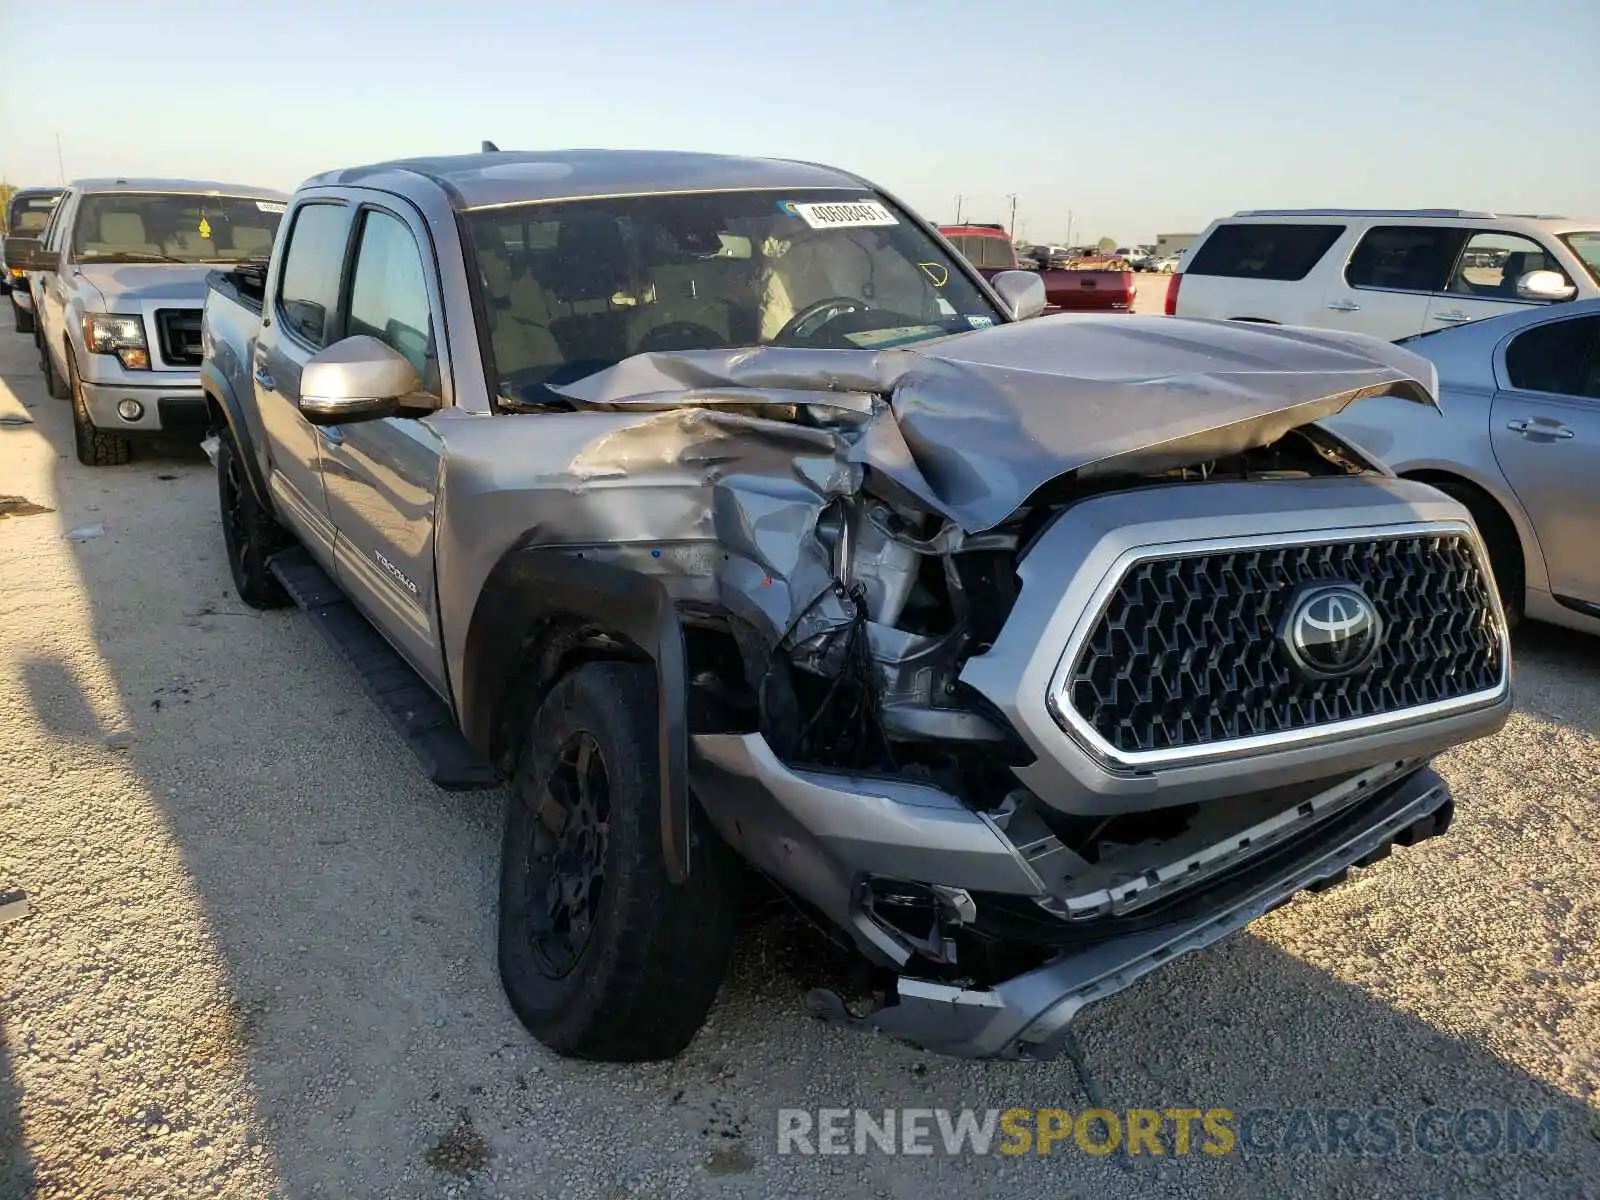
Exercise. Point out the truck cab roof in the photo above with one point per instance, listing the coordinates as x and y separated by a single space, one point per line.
487 180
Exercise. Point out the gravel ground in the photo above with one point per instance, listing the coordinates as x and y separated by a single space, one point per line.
260 954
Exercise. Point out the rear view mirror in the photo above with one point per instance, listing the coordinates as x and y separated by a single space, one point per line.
357 379
28 254
1535 285
1022 291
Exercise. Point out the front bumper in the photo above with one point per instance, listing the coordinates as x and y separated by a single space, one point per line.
175 410
1028 1016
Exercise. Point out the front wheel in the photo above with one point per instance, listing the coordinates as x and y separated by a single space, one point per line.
602 956
96 448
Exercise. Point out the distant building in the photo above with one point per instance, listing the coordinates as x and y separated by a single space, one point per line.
1173 243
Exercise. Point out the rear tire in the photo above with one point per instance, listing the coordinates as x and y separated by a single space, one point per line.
96 448
1500 539
249 531
53 383
601 955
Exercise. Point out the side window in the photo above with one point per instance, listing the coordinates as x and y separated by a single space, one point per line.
308 289
1280 252
59 220
1492 263
1561 357
1404 258
389 297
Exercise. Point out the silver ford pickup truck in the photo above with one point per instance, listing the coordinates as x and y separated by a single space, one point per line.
117 282
725 512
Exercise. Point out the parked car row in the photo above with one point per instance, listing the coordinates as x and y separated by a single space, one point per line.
759 538
26 215
114 286
1073 287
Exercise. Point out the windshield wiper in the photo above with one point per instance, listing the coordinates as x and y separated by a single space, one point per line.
129 256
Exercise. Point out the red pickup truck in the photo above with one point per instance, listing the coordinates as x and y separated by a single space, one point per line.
988 249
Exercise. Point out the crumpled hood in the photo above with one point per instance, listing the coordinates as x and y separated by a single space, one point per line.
125 286
977 422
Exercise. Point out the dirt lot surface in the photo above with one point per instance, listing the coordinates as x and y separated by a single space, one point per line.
259 959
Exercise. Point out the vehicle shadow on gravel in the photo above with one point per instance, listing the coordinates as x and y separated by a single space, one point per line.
16 1165
353 908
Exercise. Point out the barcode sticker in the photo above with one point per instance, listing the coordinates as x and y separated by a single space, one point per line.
851 214
272 206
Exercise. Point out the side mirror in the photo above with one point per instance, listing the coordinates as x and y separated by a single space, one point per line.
1022 292
357 379
1535 285
28 254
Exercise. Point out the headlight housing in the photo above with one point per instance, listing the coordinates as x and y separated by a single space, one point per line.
113 333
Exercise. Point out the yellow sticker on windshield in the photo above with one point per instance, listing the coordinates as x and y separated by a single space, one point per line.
938 274
205 228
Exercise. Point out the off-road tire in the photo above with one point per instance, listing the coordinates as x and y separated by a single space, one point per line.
1501 541
249 531
96 448
21 318
643 981
58 387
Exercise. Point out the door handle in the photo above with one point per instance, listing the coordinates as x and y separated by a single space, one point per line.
1452 317
1536 429
1344 306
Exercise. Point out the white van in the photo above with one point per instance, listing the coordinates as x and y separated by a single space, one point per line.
1388 273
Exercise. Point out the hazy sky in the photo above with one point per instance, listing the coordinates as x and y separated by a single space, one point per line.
1140 116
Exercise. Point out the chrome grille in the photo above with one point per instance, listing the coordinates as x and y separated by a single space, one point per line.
1186 652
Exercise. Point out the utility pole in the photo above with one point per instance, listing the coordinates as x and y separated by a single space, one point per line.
959 199
59 167
1011 231
1069 227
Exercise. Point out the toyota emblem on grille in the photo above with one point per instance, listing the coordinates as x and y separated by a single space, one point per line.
1332 629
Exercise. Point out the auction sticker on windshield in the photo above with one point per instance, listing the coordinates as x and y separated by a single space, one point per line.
843 214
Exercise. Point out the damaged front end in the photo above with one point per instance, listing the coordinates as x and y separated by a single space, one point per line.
992 657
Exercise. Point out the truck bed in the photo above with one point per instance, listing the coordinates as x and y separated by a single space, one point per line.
244 284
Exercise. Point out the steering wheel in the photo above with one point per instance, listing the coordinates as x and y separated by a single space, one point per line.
680 335
805 323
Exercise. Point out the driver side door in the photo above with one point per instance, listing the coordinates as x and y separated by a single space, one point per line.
381 476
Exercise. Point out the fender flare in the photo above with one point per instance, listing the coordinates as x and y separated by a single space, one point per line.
217 389
530 588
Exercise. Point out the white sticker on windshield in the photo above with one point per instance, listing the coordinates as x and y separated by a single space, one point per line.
847 214
272 206
980 322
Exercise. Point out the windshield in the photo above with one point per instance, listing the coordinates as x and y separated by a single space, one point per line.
575 286
30 214
168 227
1586 245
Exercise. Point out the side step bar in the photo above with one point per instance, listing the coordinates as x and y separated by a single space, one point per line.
413 708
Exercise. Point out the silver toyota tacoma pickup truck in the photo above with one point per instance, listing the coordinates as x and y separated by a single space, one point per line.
722 509
117 283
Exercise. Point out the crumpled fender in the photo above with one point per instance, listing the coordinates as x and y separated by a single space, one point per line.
531 587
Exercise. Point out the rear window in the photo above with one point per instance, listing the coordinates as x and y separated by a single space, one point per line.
1282 252
1405 258
985 251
